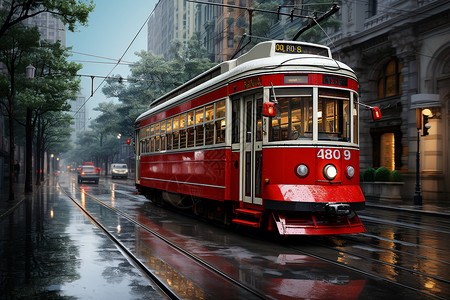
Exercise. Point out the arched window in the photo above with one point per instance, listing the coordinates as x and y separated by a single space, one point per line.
390 79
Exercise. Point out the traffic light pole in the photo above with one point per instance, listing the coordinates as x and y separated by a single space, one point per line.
417 194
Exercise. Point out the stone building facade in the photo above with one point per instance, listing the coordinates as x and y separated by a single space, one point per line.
400 50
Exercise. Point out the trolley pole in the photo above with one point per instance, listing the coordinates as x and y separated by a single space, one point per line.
417 195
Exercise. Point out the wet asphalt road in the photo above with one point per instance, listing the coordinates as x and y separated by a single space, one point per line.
50 249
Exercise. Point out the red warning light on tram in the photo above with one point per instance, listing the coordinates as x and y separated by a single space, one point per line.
269 109
376 113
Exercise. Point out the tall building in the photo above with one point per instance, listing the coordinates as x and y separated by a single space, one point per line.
400 50
80 119
170 19
51 28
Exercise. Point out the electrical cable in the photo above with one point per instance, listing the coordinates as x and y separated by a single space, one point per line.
116 64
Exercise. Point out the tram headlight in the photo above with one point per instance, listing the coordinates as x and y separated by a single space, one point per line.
350 172
330 172
302 171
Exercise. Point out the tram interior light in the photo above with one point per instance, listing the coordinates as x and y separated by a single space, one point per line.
269 109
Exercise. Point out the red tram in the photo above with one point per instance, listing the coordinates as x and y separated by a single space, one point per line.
267 140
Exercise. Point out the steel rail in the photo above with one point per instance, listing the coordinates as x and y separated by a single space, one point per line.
164 288
185 252
378 277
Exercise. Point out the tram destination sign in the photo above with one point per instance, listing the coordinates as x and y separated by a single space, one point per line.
289 48
333 80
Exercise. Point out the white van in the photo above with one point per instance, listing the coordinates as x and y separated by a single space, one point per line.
119 171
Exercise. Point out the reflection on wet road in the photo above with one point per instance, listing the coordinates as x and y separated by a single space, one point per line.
51 248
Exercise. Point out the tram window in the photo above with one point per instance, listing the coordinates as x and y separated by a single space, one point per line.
163 142
152 144
152 130
209 113
235 117
175 140
209 133
248 122
199 115
182 121
220 131
182 130
157 125
259 129
147 145
182 138
147 131
169 125
157 143
169 141
199 135
293 120
220 109
163 127
190 137
355 119
199 128
333 115
190 117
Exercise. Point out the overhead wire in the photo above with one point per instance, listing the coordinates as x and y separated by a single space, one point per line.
116 64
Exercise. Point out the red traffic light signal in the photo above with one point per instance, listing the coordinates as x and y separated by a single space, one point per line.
128 141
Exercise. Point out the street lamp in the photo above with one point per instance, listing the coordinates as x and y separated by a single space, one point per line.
30 70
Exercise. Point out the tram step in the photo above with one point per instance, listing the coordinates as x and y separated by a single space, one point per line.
246 223
255 213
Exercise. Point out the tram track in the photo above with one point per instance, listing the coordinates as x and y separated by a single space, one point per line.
402 257
137 262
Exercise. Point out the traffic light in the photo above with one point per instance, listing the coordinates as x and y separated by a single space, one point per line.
425 126
128 141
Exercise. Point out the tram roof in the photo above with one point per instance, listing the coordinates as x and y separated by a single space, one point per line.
264 55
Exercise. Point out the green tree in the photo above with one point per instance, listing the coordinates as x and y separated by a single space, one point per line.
70 12
51 89
151 77
14 48
17 46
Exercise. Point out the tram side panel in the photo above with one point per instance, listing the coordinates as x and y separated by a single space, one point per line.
196 173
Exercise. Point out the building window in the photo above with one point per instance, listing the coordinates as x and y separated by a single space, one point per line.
372 9
387 147
389 79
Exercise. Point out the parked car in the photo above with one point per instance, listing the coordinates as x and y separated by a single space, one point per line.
88 173
119 171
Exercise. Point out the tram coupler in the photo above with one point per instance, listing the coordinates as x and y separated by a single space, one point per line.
339 209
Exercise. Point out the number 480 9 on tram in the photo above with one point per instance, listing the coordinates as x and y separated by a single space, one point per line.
268 140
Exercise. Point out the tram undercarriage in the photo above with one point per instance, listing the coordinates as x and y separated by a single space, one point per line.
339 219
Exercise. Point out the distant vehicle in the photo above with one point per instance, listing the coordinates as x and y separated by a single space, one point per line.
88 173
119 171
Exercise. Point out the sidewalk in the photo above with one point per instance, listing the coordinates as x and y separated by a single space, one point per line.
430 207
49 250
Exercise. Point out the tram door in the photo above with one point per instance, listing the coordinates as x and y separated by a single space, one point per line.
137 153
252 149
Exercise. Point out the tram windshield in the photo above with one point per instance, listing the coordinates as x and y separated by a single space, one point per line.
333 115
294 118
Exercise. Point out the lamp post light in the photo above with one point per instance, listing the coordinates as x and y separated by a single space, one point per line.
30 70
